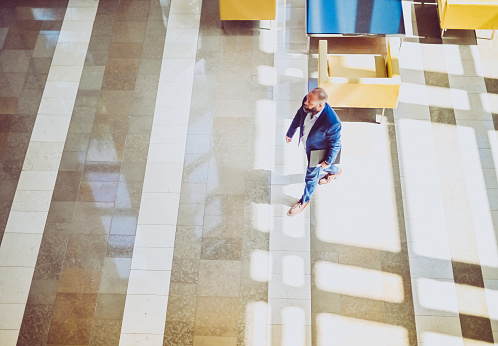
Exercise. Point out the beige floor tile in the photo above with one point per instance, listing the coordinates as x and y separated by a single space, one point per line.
14 284
152 258
26 222
144 314
162 236
287 335
20 249
11 316
141 339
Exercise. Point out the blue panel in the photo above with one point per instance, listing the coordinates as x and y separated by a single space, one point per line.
387 17
384 17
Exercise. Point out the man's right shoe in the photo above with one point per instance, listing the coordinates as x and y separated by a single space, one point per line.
329 177
297 208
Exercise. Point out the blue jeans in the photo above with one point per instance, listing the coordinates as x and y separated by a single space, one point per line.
312 177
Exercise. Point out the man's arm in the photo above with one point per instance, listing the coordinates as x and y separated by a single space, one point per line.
334 137
294 125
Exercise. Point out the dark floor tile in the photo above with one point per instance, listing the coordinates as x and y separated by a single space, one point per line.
35 325
6 121
216 316
45 45
72 319
99 42
185 271
39 65
61 212
23 123
8 105
110 306
92 218
29 102
129 31
21 41
7 190
72 161
221 249
96 58
132 172
150 65
82 120
18 144
35 80
114 105
105 332
142 107
362 308
476 328
129 195
120 245
102 171
146 86
188 241
104 24
87 98
181 303
128 50
25 25
77 142
11 84
467 274
97 191
51 26
86 251
136 147
178 333
43 292
133 10
442 115
140 125
79 280
52 251
124 222
67 186
153 47
15 60
115 276
155 28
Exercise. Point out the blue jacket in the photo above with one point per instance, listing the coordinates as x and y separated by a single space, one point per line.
325 133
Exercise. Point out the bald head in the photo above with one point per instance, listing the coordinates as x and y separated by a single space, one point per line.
320 94
315 101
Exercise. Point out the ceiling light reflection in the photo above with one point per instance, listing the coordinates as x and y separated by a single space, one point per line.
350 280
259 265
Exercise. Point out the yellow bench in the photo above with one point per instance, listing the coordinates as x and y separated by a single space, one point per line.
468 14
360 80
248 9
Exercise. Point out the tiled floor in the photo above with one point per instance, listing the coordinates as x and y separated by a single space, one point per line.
144 183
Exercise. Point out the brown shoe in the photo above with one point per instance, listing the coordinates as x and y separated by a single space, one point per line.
297 208
329 177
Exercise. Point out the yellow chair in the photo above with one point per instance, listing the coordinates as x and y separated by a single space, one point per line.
468 14
248 9
360 80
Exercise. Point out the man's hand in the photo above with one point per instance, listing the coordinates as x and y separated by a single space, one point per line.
288 139
323 165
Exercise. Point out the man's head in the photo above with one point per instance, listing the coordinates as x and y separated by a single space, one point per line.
315 101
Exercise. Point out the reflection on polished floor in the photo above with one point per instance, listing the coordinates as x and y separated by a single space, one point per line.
145 180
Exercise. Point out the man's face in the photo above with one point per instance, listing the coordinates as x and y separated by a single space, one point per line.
311 104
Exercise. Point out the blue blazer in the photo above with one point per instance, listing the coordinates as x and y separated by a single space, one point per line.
325 133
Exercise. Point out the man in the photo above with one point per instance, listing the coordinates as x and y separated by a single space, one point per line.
320 128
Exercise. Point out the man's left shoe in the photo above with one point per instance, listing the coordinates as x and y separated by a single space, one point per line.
297 208
329 177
